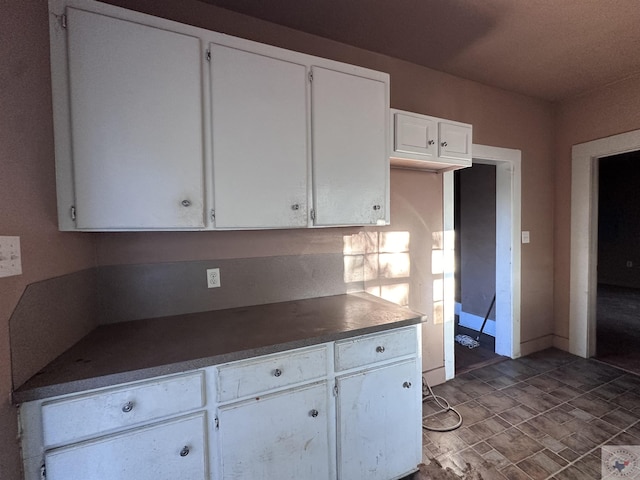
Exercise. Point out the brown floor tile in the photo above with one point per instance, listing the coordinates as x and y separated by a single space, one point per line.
514 444
539 403
559 414
545 383
497 402
552 444
565 393
609 391
624 438
629 400
579 444
489 427
573 473
591 464
454 394
472 412
518 414
482 448
630 382
514 473
592 404
502 382
542 465
549 427
568 454
445 442
517 370
477 387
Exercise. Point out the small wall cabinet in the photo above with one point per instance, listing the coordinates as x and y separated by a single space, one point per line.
429 143
349 409
164 126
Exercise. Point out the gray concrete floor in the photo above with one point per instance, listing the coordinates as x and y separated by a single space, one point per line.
545 416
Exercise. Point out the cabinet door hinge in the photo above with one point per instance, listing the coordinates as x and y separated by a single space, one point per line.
217 423
207 55
310 75
335 390
63 21
72 212
43 472
312 212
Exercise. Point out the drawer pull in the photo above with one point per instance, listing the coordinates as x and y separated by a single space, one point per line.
184 452
314 413
380 349
277 372
406 384
127 407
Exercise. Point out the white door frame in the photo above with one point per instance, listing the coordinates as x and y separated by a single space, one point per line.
508 260
584 238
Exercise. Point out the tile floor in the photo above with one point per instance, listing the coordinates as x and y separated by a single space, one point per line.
544 416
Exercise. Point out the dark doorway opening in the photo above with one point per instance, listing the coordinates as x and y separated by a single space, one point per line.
475 260
618 296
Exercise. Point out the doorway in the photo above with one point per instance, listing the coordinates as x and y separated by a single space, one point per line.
475 266
507 280
618 289
584 241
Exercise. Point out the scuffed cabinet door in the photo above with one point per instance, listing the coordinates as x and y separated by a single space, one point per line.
350 162
283 436
260 144
167 451
379 415
136 122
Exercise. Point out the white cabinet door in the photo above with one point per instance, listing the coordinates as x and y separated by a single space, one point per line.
350 163
283 436
455 141
168 451
136 118
417 135
260 147
379 422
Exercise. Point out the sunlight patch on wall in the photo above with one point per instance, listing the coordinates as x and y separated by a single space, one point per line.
382 261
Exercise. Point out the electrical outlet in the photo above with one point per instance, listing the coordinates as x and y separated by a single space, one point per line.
629 264
213 277
10 262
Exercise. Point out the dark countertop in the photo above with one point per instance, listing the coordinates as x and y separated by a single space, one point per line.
141 349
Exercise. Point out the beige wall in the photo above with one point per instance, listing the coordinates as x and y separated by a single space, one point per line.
27 186
27 192
602 113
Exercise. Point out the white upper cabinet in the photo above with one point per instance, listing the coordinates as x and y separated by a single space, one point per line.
429 143
350 168
416 135
260 144
164 126
136 123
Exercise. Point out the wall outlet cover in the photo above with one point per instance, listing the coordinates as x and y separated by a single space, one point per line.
213 277
10 261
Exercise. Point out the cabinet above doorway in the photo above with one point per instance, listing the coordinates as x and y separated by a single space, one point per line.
429 143
165 126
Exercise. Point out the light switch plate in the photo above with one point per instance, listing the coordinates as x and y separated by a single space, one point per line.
525 236
10 261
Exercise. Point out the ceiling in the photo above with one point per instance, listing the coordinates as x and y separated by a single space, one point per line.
549 49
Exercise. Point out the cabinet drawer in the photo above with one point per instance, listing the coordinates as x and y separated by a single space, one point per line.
79 417
374 348
250 377
171 450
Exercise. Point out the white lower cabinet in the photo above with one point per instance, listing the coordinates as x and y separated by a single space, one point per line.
283 436
166 451
349 410
379 422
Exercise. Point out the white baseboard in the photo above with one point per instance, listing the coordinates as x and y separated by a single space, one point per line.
474 322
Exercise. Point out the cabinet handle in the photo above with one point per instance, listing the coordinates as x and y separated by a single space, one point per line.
431 142
377 207
380 349
277 372
127 407
295 206
184 452
314 413
406 384
186 203
444 144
